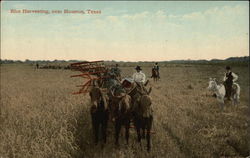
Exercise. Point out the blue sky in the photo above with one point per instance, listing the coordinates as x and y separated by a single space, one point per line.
128 31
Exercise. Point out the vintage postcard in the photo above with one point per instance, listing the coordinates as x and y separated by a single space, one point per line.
124 79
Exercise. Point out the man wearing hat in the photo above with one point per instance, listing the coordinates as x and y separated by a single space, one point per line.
116 71
156 67
139 76
229 79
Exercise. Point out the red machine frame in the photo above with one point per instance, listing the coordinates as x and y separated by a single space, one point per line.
91 71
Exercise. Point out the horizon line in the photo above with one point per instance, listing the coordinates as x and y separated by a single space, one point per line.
125 60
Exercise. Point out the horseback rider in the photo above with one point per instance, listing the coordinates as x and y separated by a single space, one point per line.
139 80
229 79
157 68
139 76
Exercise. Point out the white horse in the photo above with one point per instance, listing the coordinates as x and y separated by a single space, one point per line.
220 91
236 93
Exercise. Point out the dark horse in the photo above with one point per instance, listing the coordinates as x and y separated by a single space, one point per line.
143 123
122 116
142 113
99 114
155 74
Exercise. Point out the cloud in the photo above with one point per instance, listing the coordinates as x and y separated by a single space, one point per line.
113 19
136 16
217 32
216 15
19 6
193 16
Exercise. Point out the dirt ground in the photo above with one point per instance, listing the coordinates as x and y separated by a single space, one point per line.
39 117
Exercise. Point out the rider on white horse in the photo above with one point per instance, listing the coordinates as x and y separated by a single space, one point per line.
228 89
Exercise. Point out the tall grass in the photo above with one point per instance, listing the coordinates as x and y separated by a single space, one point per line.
40 118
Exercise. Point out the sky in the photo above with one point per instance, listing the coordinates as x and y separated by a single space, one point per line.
125 31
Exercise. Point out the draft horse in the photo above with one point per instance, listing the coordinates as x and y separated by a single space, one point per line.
99 113
142 113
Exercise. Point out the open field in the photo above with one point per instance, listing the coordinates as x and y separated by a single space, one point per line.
40 118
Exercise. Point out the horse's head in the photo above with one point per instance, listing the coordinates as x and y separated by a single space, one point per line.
125 103
141 89
145 106
122 102
212 84
97 94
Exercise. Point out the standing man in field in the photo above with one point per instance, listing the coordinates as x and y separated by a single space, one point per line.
37 66
229 79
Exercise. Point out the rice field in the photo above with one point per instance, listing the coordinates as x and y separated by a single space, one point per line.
40 118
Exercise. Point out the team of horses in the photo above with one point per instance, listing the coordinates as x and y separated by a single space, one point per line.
133 106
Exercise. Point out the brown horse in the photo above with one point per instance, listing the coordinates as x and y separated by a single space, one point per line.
99 113
122 115
155 74
142 112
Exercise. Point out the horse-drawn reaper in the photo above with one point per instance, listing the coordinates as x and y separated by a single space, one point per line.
94 72
122 101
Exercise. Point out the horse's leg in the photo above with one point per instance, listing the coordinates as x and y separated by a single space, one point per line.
93 117
222 104
117 130
96 130
93 121
138 134
104 129
237 99
95 126
143 123
234 100
137 126
127 129
149 122
148 140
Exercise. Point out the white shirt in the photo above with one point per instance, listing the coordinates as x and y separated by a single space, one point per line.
235 77
139 77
